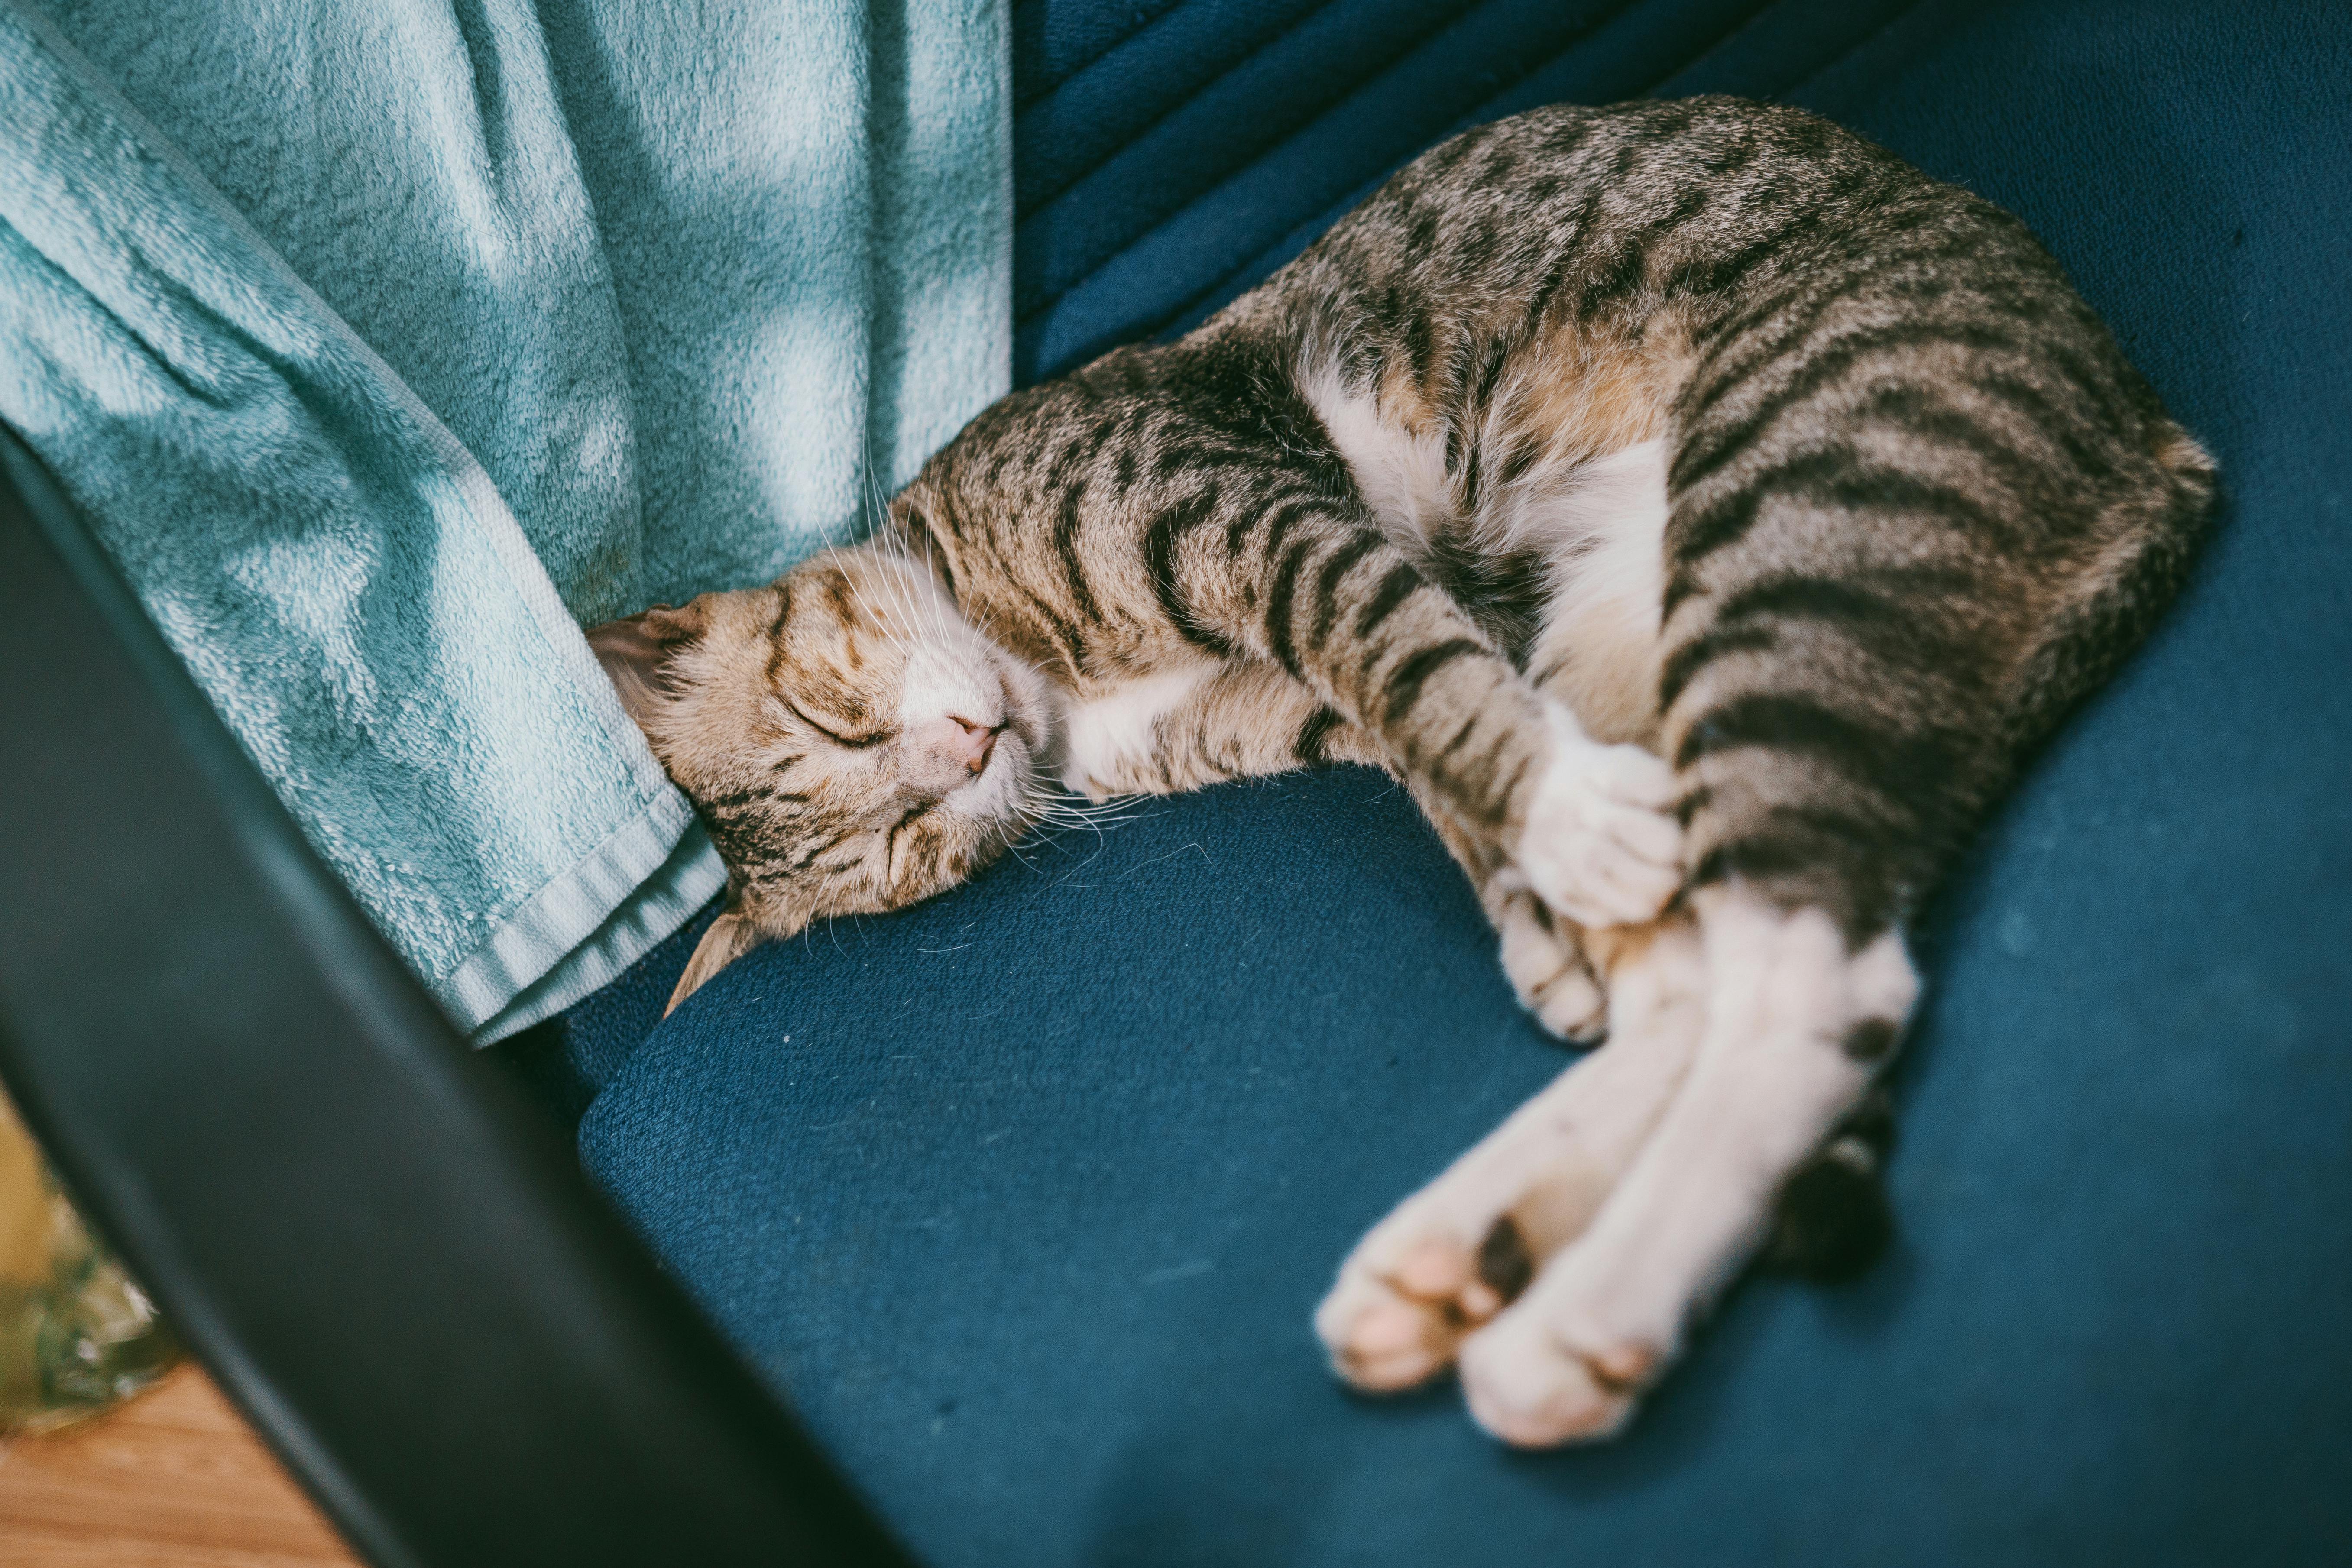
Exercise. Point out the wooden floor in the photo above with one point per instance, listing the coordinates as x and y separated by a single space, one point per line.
172 1480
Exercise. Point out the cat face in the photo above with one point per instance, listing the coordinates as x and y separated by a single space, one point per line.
851 742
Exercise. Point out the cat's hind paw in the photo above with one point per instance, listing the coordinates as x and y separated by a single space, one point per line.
1533 1387
1455 1254
1600 844
1393 1321
1570 1360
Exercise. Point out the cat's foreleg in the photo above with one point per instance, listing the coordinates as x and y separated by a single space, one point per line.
1249 717
1544 959
1523 792
1544 955
1796 1026
1455 1253
1599 845
1245 719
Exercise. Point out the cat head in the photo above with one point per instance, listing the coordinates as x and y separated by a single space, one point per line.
851 742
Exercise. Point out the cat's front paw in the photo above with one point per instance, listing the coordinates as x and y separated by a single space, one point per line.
1547 968
1600 845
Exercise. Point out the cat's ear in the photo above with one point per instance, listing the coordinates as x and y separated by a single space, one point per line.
635 652
730 936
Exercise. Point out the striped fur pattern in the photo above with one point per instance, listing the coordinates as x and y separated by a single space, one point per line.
1702 511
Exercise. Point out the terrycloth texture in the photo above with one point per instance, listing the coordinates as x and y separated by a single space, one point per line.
383 343
1029 1211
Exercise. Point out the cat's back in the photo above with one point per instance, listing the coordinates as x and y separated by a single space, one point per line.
1738 344
1722 275
1600 216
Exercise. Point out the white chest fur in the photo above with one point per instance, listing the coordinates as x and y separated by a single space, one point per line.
1596 513
1109 736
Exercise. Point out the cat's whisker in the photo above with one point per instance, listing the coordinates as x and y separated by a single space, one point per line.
893 607
1058 813
915 616
1097 819
1012 846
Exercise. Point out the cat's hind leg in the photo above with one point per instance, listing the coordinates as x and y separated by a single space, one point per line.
1456 1252
1796 1026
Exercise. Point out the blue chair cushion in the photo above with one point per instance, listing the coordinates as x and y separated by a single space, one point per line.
1023 1197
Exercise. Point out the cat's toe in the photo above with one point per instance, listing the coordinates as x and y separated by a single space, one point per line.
1451 1260
1600 844
1382 1339
1548 971
1393 1345
1574 1009
1394 1318
1532 1387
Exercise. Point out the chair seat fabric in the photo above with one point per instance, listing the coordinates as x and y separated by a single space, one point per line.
1023 1196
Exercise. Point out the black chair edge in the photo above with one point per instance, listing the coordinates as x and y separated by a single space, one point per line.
390 1261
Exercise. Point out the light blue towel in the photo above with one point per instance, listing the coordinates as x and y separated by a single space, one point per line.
386 342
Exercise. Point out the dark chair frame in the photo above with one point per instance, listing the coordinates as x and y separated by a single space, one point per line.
386 1257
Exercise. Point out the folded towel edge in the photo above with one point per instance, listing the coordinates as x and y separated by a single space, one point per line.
583 929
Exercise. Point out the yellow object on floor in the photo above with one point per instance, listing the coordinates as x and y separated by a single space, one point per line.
75 1333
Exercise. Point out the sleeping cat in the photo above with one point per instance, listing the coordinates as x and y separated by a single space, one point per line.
1699 510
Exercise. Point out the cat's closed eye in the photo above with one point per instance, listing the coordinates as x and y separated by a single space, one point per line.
898 753
850 741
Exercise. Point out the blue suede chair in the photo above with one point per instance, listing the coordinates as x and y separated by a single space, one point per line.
1023 1197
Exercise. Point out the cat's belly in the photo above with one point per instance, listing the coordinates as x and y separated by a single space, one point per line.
1110 737
1599 648
1594 513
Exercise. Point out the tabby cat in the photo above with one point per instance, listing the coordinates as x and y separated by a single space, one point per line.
1702 511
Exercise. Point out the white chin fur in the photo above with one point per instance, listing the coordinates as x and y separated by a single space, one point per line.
1000 793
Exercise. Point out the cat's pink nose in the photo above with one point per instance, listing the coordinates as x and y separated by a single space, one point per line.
978 741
